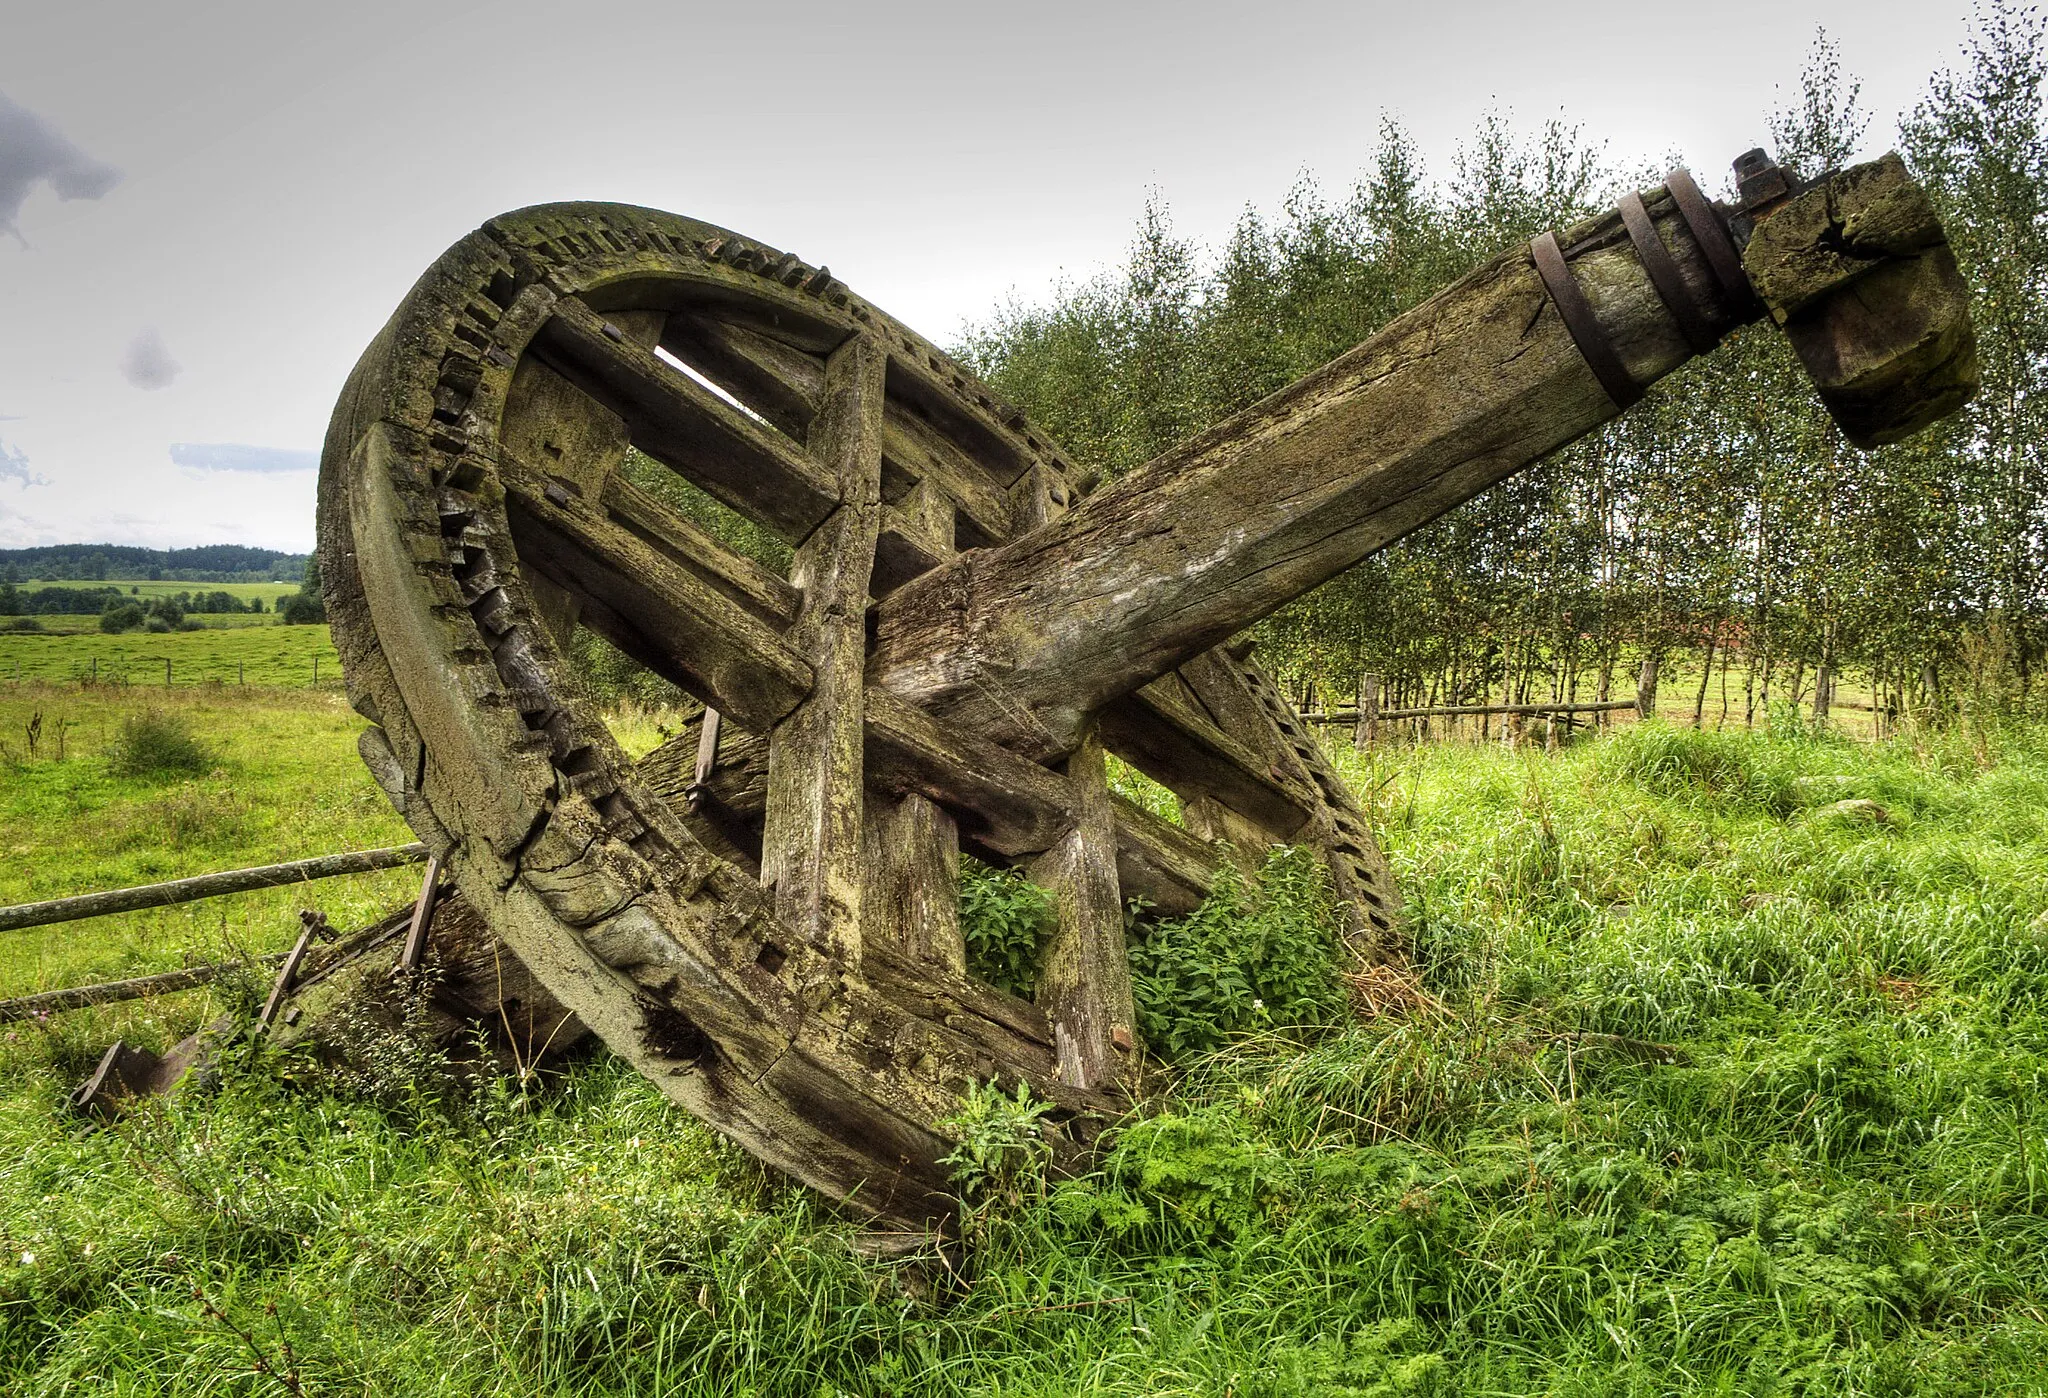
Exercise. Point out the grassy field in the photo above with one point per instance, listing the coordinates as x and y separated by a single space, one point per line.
1723 1088
273 655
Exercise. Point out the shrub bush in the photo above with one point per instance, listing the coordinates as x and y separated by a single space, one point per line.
121 616
1261 951
158 745
1004 919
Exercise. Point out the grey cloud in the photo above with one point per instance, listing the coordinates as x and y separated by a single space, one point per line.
147 364
32 152
236 456
14 467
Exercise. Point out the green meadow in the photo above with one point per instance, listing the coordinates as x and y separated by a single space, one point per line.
260 652
1727 1078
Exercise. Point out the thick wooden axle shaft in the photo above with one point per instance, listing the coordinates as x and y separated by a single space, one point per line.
1028 639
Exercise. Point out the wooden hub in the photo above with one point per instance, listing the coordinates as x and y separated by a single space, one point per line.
775 941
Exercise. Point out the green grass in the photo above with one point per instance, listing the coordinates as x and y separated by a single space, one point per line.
286 783
267 654
1841 1187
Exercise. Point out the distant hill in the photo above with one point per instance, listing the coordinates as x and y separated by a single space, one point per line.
122 563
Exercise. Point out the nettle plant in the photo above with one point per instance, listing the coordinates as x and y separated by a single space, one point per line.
1262 951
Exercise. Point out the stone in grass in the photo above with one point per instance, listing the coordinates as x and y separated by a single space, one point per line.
1860 810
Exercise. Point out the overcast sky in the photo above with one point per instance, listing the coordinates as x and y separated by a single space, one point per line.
207 209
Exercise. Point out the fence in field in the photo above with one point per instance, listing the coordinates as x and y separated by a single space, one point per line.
216 885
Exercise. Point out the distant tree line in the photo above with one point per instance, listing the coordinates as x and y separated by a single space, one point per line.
215 563
92 601
1722 522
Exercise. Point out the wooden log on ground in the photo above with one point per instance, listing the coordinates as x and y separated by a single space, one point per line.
164 895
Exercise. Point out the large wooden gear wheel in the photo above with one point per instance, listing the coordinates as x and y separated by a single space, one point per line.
773 936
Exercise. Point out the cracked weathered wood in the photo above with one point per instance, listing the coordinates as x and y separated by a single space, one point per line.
455 563
1084 979
811 844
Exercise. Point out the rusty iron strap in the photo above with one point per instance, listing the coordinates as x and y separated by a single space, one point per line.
1665 276
1712 236
1577 313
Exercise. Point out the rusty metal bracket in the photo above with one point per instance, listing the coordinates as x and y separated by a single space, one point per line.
1712 236
1665 276
1577 313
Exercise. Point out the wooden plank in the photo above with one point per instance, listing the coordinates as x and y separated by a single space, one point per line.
164 895
742 461
81 997
698 551
1084 981
811 842
663 616
923 453
1160 733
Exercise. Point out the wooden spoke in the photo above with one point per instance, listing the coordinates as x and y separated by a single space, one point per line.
811 835
1162 732
687 427
1011 809
1084 983
663 616
695 551
780 382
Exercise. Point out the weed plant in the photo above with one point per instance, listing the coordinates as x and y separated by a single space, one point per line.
156 744
1720 1091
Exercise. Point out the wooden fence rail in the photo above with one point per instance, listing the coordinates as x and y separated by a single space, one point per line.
80 997
163 895
1465 710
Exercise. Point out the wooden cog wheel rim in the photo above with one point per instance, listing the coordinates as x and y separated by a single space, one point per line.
776 945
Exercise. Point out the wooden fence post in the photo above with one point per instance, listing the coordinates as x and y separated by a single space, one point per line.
1646 688
1365 730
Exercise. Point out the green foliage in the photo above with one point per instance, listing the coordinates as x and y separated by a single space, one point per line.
1258 953
1004 918
1838 1187
121 616
158 744
1002 1152
307 606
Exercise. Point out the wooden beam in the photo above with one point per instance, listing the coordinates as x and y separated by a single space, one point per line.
1158 731
1011 807
811 843
1028 640
1084 981
668 619
740 459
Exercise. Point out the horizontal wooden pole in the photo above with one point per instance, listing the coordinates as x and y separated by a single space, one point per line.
163 895
81 997
1461 710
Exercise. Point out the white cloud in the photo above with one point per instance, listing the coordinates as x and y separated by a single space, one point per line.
148 364
237 456
14 467
32 152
